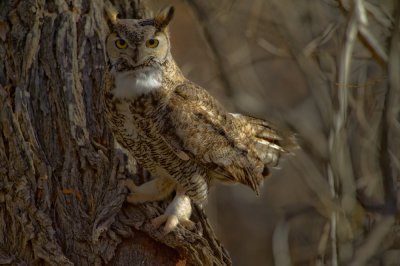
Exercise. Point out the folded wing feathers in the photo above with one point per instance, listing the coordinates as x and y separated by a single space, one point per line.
266 143
250 145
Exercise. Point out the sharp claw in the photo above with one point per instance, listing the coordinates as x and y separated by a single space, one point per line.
133 199
171 224
177 212
158 221
130 185
188 224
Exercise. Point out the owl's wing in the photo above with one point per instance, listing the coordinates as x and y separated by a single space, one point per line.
234 147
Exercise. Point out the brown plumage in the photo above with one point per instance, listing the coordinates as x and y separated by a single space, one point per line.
175 128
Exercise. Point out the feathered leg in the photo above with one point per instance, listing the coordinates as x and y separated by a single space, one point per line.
192 185
177 212
154 190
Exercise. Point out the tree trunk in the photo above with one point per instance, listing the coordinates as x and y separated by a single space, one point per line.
61 192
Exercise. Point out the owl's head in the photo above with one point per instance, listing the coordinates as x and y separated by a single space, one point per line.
139 43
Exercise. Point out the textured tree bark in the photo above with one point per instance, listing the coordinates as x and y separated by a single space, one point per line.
61 192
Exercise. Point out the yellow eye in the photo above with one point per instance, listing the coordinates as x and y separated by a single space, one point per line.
121 44
152 43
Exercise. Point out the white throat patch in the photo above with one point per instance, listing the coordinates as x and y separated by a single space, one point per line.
137 82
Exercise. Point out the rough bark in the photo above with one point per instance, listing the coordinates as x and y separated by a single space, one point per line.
61 192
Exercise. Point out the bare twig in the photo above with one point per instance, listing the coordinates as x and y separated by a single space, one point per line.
333 220
373 43
362 28
373 242
280 244
210 41
379 14
321 39
272 49
323 244
340 161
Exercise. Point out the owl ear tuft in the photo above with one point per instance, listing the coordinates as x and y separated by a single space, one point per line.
164 17
112 13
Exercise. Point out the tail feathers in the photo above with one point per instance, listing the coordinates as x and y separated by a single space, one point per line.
267 142
267 134
263 145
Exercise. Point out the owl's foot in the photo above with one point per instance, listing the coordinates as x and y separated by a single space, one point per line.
177 212
154 190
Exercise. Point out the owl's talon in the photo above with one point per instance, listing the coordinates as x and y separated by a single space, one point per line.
154 190
188 224
130 185
177 212
171 222
158 221
134 198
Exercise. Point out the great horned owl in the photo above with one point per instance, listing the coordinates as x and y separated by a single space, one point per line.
174 128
